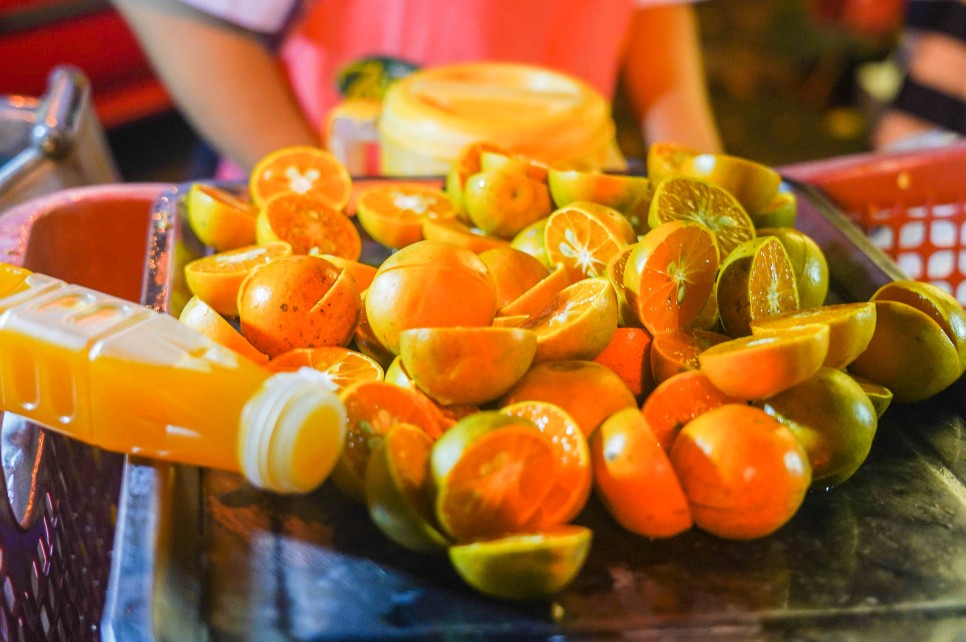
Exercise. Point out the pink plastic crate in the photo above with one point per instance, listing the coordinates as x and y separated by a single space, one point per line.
912 206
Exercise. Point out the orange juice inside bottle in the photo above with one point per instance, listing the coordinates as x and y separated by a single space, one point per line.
120 376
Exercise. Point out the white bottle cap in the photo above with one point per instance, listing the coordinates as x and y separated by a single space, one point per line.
292 432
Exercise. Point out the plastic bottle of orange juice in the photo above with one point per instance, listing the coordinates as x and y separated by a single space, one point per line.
123 377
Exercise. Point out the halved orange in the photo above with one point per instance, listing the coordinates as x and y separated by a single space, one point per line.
429 284
664 158
202 318
466 365
393 214
634 477
629 355
302 170
310 224
677 400
215 278
629 195
808 262
614 271
468 162
398 490
524 566
762 365
373 409
588 391
941 306
677 351
497 161
363 273
755 282
513 271
539 295
456 232
670 275
572 480
744 473
218 218
583 236
909 353
492 473
851 326
680 198
340 366
754 184
578 323
531 240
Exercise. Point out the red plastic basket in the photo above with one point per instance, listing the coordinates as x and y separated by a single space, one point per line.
912 206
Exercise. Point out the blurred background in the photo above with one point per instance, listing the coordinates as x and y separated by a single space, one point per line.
790 80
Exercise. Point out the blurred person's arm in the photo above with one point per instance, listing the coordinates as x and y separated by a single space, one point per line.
663 74
223 78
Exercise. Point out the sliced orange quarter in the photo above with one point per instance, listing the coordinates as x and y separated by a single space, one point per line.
584 236
755 282
393 214
578 323
309 224
302 170
215 278
670 275
340 366
634 477
373 409
680 198
492 473
762 365
572 480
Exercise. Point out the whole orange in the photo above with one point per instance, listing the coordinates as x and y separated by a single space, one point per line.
298 301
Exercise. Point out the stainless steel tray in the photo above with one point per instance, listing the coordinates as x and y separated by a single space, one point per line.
202 554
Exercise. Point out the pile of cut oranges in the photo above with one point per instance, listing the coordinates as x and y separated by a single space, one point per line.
540 334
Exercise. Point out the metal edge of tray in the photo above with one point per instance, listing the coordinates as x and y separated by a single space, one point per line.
157 581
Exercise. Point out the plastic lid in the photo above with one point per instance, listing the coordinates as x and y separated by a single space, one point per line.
292 432
546 114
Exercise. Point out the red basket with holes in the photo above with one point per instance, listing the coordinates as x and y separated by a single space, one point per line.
912 206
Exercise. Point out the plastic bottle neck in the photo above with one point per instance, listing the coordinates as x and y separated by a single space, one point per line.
291 432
